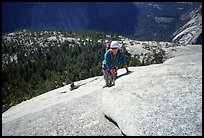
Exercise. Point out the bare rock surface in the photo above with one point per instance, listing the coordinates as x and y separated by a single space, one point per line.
160 99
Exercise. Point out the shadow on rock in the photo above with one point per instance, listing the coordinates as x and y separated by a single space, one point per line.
124 74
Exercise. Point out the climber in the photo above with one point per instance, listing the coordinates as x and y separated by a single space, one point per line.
111 59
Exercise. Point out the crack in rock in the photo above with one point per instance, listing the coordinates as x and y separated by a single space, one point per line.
115 123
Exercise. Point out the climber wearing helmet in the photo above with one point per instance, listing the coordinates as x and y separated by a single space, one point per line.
111 59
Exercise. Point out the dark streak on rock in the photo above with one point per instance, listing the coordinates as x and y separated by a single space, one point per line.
112 121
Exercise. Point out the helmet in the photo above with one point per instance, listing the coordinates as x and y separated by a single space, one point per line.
114 44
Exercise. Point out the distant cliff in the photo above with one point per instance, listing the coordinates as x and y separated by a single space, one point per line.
191 32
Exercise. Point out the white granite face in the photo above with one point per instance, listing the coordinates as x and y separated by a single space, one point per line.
160 99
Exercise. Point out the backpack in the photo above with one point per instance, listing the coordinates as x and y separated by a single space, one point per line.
107 44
